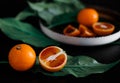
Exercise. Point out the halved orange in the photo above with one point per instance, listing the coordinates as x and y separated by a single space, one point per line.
71 31
103 28
52 58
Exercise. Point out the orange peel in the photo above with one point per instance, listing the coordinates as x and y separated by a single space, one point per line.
103 28
22 57
85 32
52 58
87 16
71 31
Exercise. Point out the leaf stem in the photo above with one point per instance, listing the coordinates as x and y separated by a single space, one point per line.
3 62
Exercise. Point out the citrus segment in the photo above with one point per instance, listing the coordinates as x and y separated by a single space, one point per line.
86 32
21 57
71 31
103 28
52 58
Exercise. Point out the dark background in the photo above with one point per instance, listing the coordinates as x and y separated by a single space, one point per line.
9 8
12 7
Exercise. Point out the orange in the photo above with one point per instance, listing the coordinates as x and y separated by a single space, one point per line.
87 16
71 31
52 58
86 32
103 28
21 57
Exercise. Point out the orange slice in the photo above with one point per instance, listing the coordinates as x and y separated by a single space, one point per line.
103 28
85 32
71 31
52 58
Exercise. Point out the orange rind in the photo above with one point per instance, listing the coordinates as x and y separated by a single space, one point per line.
86 32
103 28
87 16
52 58
71 31
22 57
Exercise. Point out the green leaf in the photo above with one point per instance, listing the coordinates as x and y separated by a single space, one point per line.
77 3
25 32
82 66
79 66
25 13
4 62
47 11
38 6
116 42
68 18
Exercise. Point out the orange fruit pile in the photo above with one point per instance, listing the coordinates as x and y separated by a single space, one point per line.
22 57
89 25
52 58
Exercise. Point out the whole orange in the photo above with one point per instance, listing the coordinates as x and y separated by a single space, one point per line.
87 16
22 57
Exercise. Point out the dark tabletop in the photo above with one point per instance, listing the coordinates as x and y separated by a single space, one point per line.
104 54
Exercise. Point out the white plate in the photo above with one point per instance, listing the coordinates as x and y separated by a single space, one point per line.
79 41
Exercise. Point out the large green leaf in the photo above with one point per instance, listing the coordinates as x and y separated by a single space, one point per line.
77 3
79 66
47 11
27 12
25 32
68 18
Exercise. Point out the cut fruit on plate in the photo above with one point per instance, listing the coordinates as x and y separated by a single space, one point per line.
106 15
86 32
52 58
87 16
103 28
80 41
71 31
